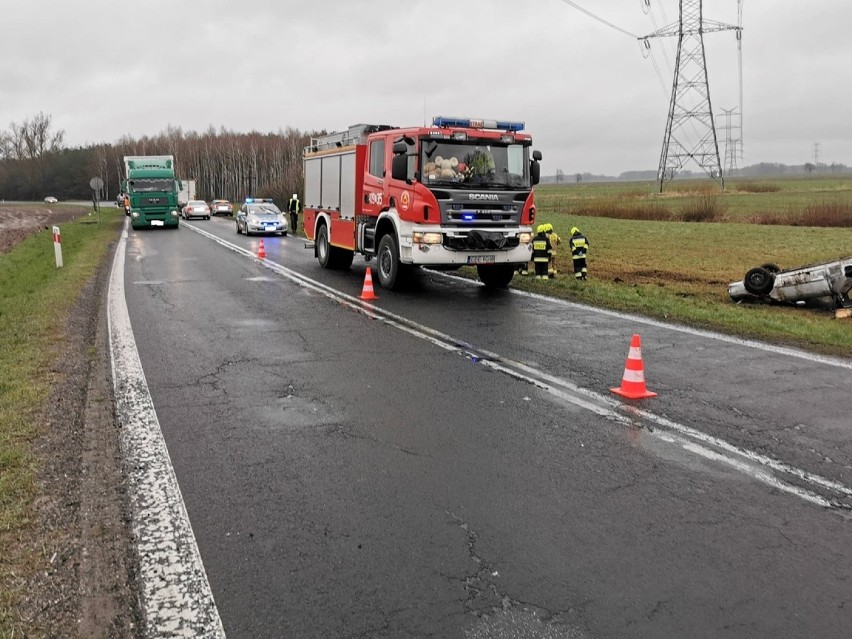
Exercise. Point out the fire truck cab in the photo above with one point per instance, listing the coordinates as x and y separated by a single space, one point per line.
456 193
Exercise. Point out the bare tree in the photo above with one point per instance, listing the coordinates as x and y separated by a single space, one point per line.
32 139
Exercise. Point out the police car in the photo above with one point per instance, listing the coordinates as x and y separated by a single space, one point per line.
260 215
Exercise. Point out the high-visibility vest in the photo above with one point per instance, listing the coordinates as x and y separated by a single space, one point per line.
579 246
541 248
294 206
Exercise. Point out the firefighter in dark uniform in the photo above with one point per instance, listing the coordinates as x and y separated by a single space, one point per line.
579 248
541 252
295 207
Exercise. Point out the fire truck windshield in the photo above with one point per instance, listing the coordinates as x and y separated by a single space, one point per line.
479 163
146 186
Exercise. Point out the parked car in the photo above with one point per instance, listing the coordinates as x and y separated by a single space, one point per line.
828 280
260 216
195 208
50 200
221 207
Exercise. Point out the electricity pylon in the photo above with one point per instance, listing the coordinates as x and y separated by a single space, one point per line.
731 144
690 101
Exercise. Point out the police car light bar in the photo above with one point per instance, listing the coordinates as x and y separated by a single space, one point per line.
502 125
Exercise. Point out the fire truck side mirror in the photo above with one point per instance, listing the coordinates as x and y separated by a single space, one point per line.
535 167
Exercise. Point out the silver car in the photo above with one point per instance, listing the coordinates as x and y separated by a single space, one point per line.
260 216
799 285
221 207
196 208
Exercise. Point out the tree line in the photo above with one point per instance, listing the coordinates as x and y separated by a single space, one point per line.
34 163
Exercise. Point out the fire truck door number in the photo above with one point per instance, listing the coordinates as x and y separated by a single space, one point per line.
375 199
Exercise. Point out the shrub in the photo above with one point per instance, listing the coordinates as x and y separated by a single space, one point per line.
707 208
756 187
826 214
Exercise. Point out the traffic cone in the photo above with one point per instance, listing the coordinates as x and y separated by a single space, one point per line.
367 292
633 381
261 252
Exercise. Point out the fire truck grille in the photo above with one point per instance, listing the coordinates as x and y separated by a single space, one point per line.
478 216
480 241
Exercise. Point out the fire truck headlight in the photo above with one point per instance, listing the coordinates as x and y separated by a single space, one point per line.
175 213
525 238
426 238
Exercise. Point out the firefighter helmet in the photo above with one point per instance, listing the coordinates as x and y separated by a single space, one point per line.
540 228
574 230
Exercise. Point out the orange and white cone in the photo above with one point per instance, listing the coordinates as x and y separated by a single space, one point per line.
633 381
367 292
261 251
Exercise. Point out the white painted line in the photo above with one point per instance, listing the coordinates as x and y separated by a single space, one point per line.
690 439
176 596
638 319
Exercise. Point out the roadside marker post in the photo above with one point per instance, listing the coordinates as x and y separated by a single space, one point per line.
57 246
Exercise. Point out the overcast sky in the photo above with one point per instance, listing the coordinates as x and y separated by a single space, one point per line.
592 101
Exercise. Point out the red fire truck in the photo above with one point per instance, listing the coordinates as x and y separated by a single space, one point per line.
456 193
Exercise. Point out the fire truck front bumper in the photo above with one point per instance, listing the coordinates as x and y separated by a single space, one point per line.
456 247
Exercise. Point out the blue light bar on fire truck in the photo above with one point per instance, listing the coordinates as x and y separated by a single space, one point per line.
470 123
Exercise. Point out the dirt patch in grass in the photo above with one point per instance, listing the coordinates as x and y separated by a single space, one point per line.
17 222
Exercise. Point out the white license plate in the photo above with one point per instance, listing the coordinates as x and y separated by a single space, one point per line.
271 227
480 259
156 222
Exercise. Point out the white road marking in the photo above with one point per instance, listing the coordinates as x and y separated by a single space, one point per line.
743 460
176 596
638 319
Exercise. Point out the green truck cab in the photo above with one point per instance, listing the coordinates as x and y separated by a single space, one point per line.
151 185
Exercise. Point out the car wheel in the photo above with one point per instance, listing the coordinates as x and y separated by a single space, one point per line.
495 275
284 234
772 268
759 281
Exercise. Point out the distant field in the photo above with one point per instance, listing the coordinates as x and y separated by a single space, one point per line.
660 266
744 200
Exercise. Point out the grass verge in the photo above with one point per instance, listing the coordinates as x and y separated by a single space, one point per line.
680 271
35 300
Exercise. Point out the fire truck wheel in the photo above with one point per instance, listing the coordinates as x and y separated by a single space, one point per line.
391 272
323 246
759 281
496 275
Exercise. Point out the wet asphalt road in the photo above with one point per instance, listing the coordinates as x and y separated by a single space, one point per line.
459 469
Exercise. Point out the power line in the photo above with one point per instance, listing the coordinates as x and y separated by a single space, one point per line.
690 94
599 19
690 99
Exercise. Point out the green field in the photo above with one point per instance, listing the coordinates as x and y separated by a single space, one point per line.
35 301
679 271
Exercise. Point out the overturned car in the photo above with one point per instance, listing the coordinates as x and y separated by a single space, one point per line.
824 281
